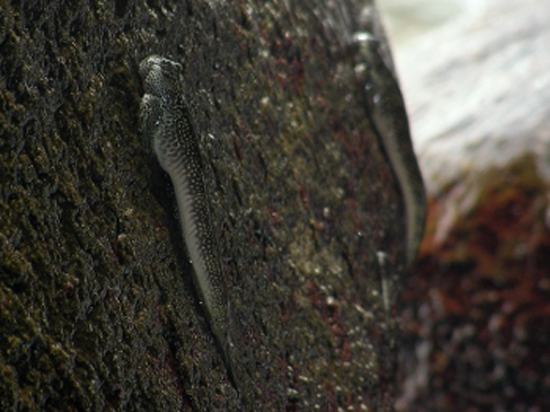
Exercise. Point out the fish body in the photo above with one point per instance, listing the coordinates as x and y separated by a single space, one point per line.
386 109
167 128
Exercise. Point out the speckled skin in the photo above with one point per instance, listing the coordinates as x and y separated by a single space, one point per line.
387 112
167 128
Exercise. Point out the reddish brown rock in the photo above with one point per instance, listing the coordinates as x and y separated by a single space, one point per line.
477 308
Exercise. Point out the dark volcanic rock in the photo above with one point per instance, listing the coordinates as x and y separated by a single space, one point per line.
97 308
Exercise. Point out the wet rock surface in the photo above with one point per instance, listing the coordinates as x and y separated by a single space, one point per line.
97 304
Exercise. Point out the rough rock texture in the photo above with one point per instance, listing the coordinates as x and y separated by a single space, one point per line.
477 315
97 310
